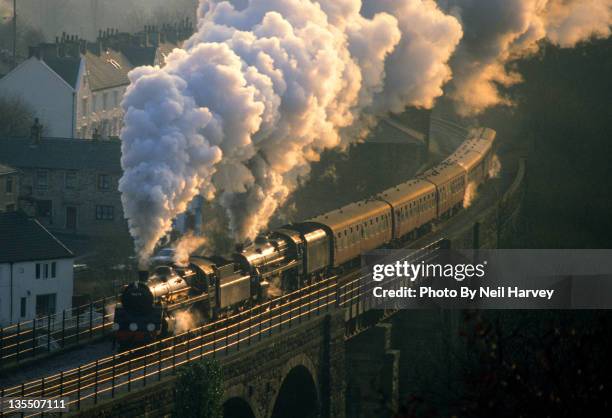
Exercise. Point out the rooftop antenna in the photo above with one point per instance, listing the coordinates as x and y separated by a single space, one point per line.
14 33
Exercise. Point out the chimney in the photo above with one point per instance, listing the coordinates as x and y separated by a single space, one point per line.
36 132
33 51
143 276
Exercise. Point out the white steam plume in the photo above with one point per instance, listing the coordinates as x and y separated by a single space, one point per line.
185 246
494 167
499 31
471 193
256 95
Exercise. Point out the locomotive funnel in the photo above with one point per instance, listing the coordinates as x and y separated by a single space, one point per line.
143 275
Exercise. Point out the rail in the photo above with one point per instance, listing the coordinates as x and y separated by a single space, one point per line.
124 372
43 335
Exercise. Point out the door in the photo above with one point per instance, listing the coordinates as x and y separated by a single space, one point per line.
71 217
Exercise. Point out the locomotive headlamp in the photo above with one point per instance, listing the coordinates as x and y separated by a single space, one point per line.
133 326
150 327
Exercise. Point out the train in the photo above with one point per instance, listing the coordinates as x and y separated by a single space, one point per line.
295 255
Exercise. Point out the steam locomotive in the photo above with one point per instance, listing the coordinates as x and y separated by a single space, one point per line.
297 254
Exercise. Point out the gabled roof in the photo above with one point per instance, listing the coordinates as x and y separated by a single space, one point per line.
63 154
25 239
107 70
66 67
5 169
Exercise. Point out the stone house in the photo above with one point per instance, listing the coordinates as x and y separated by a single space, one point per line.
69 186
9 188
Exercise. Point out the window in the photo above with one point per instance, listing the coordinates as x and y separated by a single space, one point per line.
104 213
116 98
94 103
43 270
45 304
8 186
23 307
84 105
42 179
103 182
70 179
104 101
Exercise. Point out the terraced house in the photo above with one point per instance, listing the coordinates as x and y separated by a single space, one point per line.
75 87
69 186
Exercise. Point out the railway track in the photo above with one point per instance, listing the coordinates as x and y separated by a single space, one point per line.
40 337
106 377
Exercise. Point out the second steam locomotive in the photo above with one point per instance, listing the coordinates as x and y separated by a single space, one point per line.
296 254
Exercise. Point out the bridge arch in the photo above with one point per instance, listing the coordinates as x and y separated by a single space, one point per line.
298 395
237 407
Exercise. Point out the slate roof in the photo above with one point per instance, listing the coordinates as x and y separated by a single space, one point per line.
5 169
63 154
109 69
145 55
66 67
139 55
25 239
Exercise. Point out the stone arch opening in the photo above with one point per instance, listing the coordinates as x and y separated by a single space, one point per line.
298 396
237 408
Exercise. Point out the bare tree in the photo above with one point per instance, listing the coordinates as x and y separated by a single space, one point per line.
16 117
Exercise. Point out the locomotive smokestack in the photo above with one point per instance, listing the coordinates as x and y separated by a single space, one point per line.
143 275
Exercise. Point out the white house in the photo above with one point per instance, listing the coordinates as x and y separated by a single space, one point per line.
51 96
36 270
76 87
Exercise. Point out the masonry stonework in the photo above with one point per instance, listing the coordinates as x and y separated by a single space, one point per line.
257 372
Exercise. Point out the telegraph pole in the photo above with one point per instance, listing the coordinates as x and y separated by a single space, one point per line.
14 33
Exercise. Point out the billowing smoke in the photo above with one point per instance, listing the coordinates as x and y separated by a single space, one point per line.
259 91
471 192
109 313
494 167
256 94
185 246
418 68
497 32
185 320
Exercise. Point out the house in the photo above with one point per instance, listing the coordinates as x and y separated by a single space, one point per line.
75 87
9 188
69 186
50 94
36 270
